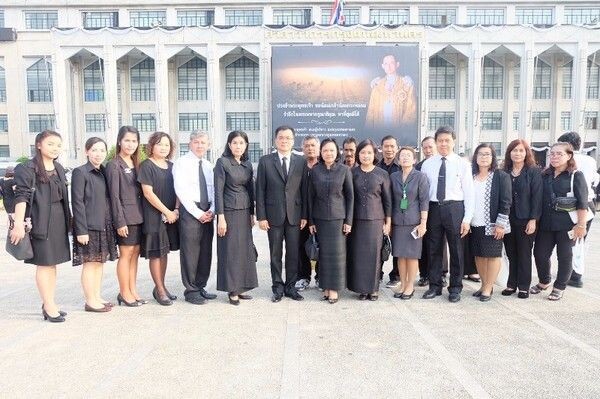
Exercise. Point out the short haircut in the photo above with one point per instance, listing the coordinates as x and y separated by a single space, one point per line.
155 138
310 137
198 133
571 165
427 138
362 145
285 127
327 141
572 138
89 143
409 149
493 166
349 140
389 137
445 130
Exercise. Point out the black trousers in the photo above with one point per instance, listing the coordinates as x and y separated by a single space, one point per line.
394 274
469 266
277 235
445 219
304 269
195 254
519 247
424 261
544 244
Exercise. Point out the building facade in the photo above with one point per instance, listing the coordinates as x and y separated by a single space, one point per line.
84 70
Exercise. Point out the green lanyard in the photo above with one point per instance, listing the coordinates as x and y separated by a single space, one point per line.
404 200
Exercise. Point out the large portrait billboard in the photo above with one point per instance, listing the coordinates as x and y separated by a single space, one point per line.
341 91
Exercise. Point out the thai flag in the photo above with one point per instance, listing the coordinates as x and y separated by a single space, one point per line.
337 13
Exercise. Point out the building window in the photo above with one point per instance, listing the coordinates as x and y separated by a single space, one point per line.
1 18
147 19
437 16
591 120
388 16
100 19
254 152
184 148
542 85
95 123
491 121
3 123
195 17
497 146
516 81
515 121
535 16
93 85
4 151
241 80
492 82
144 122
40 122
351 16
593 80
2 85
191 80
243 17
189 122
442 79
39 82
540 120
292 16
142 81
438 119
485 16
567 80
565 121
41 19
582 16
242 121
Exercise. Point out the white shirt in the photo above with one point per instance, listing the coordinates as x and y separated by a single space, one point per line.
587 166
479 218
287 160
459 181
187 183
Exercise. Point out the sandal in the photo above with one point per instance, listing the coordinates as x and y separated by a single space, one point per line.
555 295
536 289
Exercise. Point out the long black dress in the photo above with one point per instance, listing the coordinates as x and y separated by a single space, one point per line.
158 237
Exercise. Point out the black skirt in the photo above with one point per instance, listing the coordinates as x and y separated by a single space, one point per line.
484 246
133 238
56 248
160 243
365 256
332 254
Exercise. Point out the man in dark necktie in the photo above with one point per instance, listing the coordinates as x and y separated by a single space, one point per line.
279 198
450 212
193 175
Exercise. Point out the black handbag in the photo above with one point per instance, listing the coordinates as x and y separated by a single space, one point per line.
386 248
23 250
311 246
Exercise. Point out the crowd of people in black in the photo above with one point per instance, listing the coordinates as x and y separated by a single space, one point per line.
443 215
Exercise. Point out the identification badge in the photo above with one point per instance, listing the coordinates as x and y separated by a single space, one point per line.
404 204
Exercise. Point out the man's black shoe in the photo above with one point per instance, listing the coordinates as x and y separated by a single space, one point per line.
295 296
431 293
423 281
444 281
575 283
276 298
207 295
454 297
195 300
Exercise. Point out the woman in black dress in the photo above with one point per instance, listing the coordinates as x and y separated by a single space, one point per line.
50 216
161 211
372 219
126 206
525 211
94 240
331 210
7 187
493 197
234 206
560 179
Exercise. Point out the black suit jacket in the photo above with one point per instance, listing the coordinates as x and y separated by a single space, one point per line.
88 199
500 195
330 193
234 185
125 193
276 198
527 194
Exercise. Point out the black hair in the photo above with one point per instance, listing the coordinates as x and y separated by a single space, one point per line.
389 137
349 140
493 166
572 138
232 135
89 143
427 138
285 127
366 143
38 159
123 130
327 141
445 130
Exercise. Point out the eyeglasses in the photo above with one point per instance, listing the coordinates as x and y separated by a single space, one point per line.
484 155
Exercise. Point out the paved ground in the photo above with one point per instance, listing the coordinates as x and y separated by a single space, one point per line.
386 349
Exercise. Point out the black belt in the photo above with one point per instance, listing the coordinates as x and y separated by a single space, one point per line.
448 202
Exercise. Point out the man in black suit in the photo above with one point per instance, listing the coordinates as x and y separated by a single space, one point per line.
279 201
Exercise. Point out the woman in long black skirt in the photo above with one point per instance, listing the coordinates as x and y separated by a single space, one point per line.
234 206
44 179
372 219
331 210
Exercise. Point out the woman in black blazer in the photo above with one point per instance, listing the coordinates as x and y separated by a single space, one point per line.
126 207
556 225
94 240
490 220
44 179
331 211
525 212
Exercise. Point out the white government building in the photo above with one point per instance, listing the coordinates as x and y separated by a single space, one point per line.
84 69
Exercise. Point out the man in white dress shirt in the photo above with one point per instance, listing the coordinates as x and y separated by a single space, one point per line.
587 165
194 186
450 212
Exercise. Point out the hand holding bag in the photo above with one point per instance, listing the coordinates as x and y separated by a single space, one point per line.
23 250
386 248
573 212
311 246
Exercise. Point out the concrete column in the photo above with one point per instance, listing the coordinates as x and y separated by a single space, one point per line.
219 16
424 105
579 92
264 100
162 89
413 14
173 104
474 125
461 100
461 15
268 15
125 72
216 93
526 92
510 106
111 99
77 110
365 14
61 106
510 17
557 79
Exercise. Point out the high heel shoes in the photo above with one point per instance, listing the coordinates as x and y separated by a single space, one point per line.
104 309
164 301
58 319
234 302
121 300
60 312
